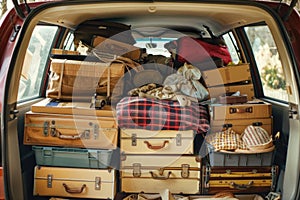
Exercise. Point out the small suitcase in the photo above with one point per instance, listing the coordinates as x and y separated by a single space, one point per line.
52 106
154 173
244 89
239 125
70 131
74 182
227 75
256 179
249 110
136 141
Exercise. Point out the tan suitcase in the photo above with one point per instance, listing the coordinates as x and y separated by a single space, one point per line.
227 75
245 89
70 131
239 125
239 179
154 173
52 106
140 141
255 109
74 182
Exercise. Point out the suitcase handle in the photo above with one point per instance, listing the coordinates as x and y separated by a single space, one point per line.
85 134
160 177
156 147
241 186
240 110
74 190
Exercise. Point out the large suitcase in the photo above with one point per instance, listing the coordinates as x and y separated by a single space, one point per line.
238 179
140 141
70 131
154 173
74 182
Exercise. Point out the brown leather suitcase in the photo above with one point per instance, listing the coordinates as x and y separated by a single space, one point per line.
74 182
70 131
227 75
140 141
238 179
154 173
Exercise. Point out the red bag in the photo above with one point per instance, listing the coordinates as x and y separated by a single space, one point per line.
193 50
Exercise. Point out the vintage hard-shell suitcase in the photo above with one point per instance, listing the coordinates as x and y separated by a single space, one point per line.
253 109
70 131
247 179
73 157
244 89
239 125
74 182
135 141
154 173
53 106
227 75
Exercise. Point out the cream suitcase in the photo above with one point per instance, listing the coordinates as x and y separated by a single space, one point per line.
70 131
74 182
154 173
140 141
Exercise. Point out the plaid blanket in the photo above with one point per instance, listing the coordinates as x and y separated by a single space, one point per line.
152 114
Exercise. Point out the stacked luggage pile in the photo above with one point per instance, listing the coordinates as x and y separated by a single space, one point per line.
91 143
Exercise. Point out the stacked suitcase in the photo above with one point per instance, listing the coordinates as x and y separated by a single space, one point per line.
74 146
153 161
244 171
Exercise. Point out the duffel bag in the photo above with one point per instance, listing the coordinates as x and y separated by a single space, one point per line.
87 30
198 50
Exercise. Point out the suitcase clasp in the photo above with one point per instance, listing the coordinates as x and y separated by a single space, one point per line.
45 130
136 169
185 172
133 139
49 180
178 140
98 183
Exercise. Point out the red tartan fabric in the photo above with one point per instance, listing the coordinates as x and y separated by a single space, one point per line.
152 114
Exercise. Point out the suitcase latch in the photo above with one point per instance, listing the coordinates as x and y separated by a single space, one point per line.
52 129
46 127
178 140
185 172
49 180
96 131
98 183
133 139
136 169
